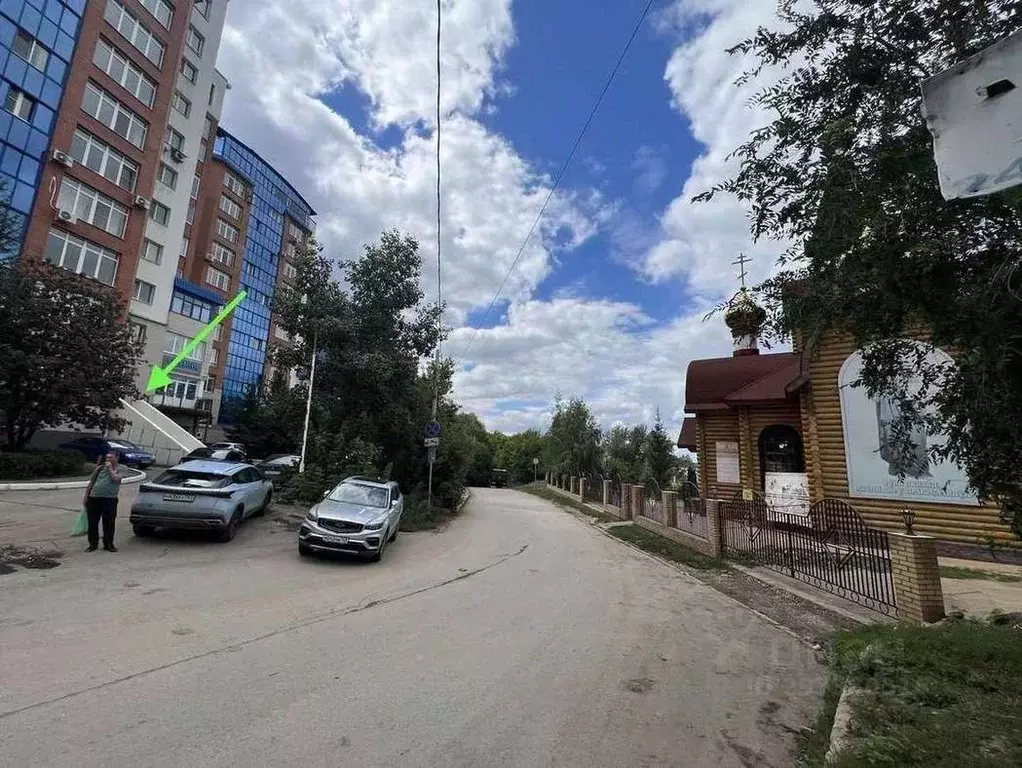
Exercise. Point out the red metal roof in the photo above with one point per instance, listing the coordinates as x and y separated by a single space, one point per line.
689 434
725 381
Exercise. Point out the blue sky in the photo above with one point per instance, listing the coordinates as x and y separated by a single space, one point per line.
608 300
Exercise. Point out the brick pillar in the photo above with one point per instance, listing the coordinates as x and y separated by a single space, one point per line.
637 506
626 501
714 528
606 493
670 502
582 488
917 589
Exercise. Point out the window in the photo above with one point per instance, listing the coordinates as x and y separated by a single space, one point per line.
186 305
181 389
124 73
214 356
115 116
218 279
167 176
184 247
152 251
210 384
234 184
181 104
226 231
121 19
28 48
77 255
780 450
230 207
218 332
250 269
196 180
92 206
175 342
212 93
258 344
99 157
190 216
222 254
174 140
19 103
144 291
202 6
289 271
196 43
161 10
159 213
188 70
138 331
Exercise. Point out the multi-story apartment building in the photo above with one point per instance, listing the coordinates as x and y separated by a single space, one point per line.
253 220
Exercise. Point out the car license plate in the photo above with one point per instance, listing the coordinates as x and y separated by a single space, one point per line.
179 497
335 539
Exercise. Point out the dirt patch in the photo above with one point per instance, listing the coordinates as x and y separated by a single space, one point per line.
640 685
27 557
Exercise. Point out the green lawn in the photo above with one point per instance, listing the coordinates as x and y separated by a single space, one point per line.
958 572
541 490
666 548
949 695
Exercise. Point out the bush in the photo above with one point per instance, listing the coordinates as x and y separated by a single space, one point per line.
30 465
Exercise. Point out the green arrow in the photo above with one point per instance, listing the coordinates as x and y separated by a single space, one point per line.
160 377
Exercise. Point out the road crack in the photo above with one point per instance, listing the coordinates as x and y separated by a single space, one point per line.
234 647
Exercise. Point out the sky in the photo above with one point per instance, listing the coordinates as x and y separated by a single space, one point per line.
609 297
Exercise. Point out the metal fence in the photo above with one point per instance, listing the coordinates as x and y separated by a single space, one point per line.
653 503
691 516
594 490
831 548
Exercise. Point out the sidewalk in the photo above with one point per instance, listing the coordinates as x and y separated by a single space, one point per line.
986 587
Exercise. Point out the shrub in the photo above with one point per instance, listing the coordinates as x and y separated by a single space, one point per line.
30 465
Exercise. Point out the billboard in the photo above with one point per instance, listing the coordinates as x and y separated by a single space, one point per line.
876 470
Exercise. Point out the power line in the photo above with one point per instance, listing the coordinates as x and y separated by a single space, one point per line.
560 175
439 295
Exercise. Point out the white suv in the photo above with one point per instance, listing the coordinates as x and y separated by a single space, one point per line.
360 516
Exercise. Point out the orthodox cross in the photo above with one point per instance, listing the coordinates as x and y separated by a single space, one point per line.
740 262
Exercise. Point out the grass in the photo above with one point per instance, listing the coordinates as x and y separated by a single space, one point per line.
666 548
934 696
813 744
958 572
538 489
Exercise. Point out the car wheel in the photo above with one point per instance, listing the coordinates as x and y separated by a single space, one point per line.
393 535
142 531
377 556
304 550
227 533
266 504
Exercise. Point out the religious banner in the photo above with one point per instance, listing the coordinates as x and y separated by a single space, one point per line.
728 471
877 469
787 492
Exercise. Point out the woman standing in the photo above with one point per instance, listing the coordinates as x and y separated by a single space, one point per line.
101 501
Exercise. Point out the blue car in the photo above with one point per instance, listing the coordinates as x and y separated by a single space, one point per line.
127 452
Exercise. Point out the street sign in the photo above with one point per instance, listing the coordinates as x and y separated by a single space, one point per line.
433 430
974 111
432 442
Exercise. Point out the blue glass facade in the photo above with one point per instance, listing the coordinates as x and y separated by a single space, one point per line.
37 41
272 198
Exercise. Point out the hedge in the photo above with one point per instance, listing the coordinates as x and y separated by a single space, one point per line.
30 465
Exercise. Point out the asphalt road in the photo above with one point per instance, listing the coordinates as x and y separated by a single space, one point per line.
518 636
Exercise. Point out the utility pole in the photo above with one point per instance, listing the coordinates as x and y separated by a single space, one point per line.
308 404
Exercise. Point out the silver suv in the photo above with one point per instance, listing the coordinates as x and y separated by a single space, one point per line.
359 516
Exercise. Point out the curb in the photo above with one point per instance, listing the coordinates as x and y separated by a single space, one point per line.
67 485
841 736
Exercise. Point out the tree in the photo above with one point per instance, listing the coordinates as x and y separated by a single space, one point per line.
623 453
66 352
573 439
658 457
845 173
272 421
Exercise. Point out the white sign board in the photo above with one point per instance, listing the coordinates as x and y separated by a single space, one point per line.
876 465
727 463
787 492
974 111
431 442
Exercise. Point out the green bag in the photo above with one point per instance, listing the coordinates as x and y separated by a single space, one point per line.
81 526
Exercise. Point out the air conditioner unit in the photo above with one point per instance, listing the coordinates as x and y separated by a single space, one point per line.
142 202
63 158
68 217
177 155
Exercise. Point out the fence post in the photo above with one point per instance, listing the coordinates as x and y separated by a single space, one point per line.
564 482
606 493
573 485
714 528
626 501
582 483
638 503
670 502
917 590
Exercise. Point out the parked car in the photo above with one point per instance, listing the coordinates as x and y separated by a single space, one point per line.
218 455
127 452
274 465
224 447
201 495
359 516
